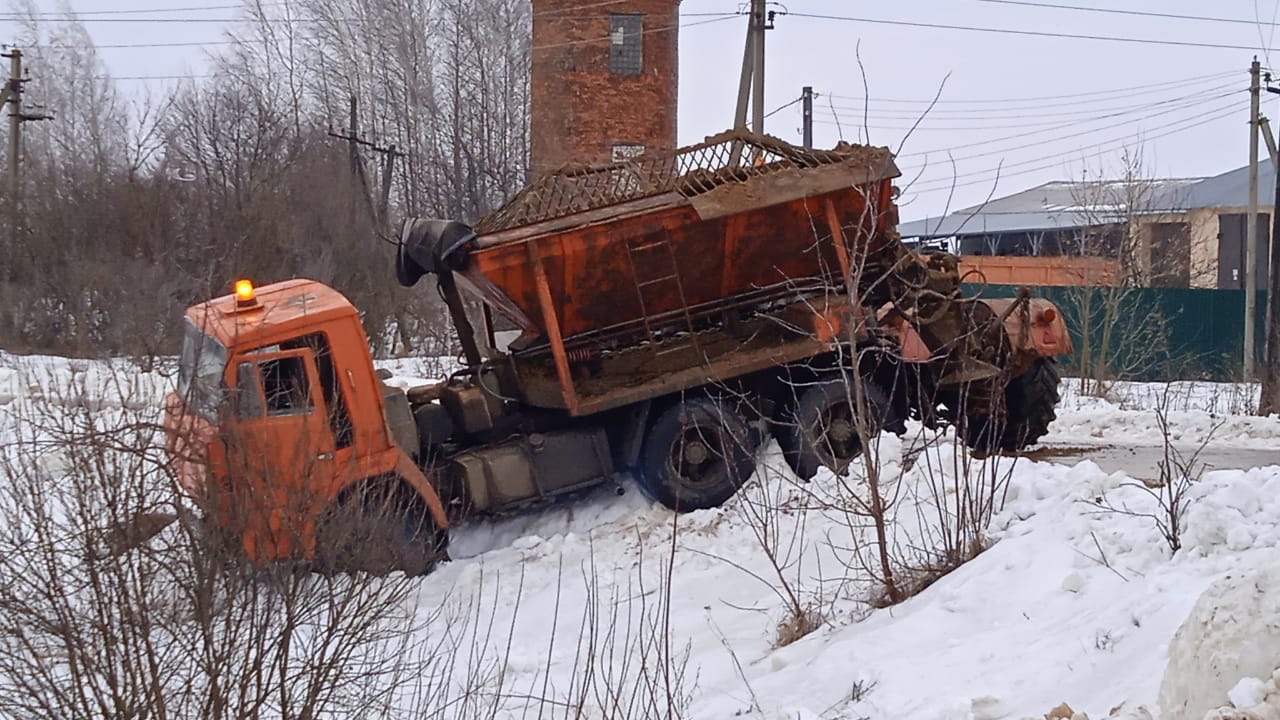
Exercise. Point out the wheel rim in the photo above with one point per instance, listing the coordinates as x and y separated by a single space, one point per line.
698 456
835 434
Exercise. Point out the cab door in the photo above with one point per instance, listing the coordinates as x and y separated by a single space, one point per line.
282 447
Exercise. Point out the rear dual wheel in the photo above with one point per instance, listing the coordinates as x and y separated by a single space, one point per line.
825 429
696 455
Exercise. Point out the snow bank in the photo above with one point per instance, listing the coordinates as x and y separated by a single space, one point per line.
1231 638
1071 603
1252 699
1196 411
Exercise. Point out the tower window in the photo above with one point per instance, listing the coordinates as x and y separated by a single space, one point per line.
626 49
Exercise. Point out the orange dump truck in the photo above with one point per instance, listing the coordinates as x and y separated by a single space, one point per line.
674 312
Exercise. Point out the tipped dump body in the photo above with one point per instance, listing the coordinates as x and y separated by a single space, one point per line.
739 219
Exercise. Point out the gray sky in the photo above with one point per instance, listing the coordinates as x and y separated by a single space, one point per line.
1042 107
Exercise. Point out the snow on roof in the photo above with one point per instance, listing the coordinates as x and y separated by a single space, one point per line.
1057 205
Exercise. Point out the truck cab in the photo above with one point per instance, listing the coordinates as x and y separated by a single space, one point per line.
278 425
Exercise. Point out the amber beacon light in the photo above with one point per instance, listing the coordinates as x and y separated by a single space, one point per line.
244 293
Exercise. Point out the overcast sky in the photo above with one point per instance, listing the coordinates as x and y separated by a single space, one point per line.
1040 108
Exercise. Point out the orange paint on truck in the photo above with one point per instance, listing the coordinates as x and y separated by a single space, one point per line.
266 468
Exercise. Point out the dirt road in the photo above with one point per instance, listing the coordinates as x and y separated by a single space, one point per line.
1142 461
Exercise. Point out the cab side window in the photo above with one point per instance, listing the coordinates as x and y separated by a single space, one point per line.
330 385
273 388
285 386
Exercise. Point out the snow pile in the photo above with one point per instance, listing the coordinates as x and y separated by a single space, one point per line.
1070 602
1231 639
1195 411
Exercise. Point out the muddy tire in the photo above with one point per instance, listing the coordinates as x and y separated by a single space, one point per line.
1030 401
696 455
379 529
821 429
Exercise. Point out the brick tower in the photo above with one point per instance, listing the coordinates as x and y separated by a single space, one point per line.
604 80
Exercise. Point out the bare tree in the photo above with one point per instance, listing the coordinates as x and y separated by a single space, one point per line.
1115 219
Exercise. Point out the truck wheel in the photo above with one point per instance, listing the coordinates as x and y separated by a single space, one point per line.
822 429
696 455
1030 402
378 529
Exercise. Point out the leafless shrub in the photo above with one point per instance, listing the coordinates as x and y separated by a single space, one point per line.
959 495
107 609
100 622
1179 470
777 516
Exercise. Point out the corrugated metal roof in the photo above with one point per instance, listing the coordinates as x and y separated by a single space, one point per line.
1231 189
985 223
1058 205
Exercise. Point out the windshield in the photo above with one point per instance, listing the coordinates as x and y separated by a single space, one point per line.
200 371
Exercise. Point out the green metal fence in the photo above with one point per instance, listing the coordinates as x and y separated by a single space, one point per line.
1151 334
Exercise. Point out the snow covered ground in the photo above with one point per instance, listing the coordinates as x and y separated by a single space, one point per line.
1070 603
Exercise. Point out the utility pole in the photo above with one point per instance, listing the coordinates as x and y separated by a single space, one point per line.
13 95
757 92
1269 401
390 153
1251 230
751 83
806 105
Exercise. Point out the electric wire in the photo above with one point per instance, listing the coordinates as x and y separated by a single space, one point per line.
1028 33
1079 107
780 108
1115 11
999 172
558 13
1126 91
1122 123
1171 106
134 11
914 115
212 43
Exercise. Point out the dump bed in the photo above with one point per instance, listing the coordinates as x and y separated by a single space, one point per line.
628 247
672 270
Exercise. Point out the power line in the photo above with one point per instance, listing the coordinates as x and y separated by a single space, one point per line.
968 115
119 46
1127 121
999 173
213 43
81 20
135 11
1175 105
153 77
1029 33
1266 42
559 13
607 38
780 108
1047 125
1071 99
1113 11
1041 143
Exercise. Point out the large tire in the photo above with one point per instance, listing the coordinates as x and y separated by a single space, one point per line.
821 430
696 455
1030 401
380 528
